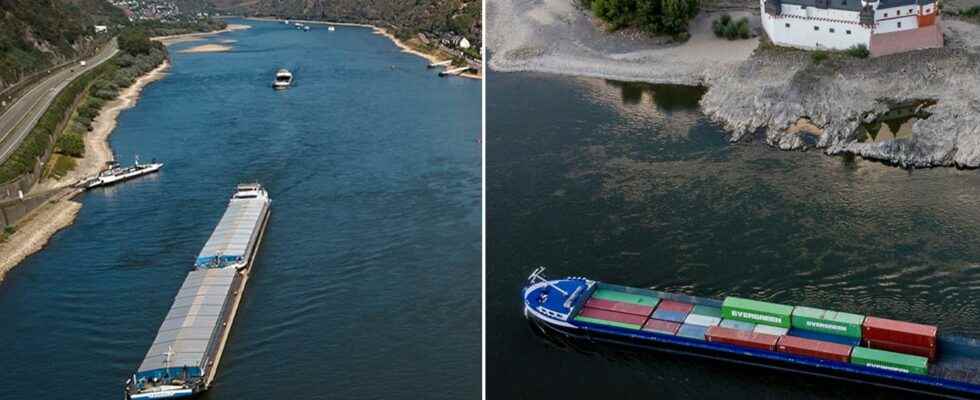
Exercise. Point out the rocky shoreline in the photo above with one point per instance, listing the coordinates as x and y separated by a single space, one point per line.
755 88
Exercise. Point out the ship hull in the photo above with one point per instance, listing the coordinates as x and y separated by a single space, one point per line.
751 358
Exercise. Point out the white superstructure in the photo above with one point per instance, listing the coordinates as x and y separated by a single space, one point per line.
284 78
882 26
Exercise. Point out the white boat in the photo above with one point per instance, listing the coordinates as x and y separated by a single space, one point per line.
306 28
331 28
284 79
286 22
114 173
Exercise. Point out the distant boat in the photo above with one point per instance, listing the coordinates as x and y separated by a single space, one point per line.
286 22
284 79
331 28
306 28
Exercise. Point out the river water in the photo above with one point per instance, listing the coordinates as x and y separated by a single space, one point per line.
367 283
631 184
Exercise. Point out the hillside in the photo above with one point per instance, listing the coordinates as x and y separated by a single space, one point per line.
37 34
405 17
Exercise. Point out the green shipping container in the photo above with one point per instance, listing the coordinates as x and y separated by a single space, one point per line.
614 295
890 361
757 312
825 321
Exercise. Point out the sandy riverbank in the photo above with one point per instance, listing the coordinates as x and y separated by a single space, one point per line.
755 88
379 31
188 37
208 48
34 230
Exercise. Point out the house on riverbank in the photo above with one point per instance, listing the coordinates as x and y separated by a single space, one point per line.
882 26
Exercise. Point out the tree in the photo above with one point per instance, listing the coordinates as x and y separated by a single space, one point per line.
618 13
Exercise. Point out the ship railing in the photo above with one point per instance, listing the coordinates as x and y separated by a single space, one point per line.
537 277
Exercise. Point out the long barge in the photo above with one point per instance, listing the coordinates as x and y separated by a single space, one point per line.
829 344
184 356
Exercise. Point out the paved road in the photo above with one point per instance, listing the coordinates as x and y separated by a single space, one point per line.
20 117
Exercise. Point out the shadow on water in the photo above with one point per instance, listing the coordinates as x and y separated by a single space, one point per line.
666 97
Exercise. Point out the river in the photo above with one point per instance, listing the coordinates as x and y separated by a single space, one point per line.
630 183
367 284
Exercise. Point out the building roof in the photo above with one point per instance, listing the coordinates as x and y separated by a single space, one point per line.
195 315
898 3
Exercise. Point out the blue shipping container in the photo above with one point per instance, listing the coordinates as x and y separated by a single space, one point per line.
740 325
672 316
692 331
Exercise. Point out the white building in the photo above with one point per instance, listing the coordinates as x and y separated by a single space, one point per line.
883 26
463 43
100 28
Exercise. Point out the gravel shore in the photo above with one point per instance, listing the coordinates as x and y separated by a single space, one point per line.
753 88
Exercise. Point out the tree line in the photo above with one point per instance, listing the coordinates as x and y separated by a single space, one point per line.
653 16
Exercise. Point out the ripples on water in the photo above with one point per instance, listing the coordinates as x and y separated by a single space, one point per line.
367 283
615 183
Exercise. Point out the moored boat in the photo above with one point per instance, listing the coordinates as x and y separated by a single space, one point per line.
114 173
183 358
831 344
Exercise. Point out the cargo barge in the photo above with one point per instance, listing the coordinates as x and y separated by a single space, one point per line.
184 356
796 339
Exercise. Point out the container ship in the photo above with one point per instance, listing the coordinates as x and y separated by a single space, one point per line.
832 344
184 356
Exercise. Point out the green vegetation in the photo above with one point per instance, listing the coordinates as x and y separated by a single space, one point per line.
971 14
60 165
858 51
79 103
70 144
7 232
653 16
157 28
819 56
725 27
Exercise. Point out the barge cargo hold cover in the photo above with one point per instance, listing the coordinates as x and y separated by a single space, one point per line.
184 356
568 307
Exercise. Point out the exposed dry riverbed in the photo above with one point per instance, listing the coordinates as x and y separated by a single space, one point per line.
758 88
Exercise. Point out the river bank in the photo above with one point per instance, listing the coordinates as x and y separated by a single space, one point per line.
405 47
188 37
753 88
34 231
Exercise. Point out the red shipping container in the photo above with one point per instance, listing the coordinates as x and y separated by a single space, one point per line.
814 348
737 337
927 352
907 333
618 306
656 325
612 316
668 305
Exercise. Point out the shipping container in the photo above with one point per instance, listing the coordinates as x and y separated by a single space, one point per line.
658 326
740 325
615 295
617 319
909 333
814 348
927 352
673 316
701 320
758 312
708 311
668 305
762 341
692 331
824 337
889 360
619 306
825 321
770 330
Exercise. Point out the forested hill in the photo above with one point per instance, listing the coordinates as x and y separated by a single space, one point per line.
462 17
37 34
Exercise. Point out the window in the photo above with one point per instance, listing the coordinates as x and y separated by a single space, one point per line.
816 28
886 15
848 31
910 11
843 2
831 30
897 12
899 24
787 24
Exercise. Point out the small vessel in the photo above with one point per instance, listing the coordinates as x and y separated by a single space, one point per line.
828 344
284 79
286 22
331 28
113 173
184 356
306 28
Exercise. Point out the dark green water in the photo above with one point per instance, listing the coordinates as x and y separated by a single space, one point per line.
367 284
631 184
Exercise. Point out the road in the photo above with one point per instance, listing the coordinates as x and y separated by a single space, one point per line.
20 117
